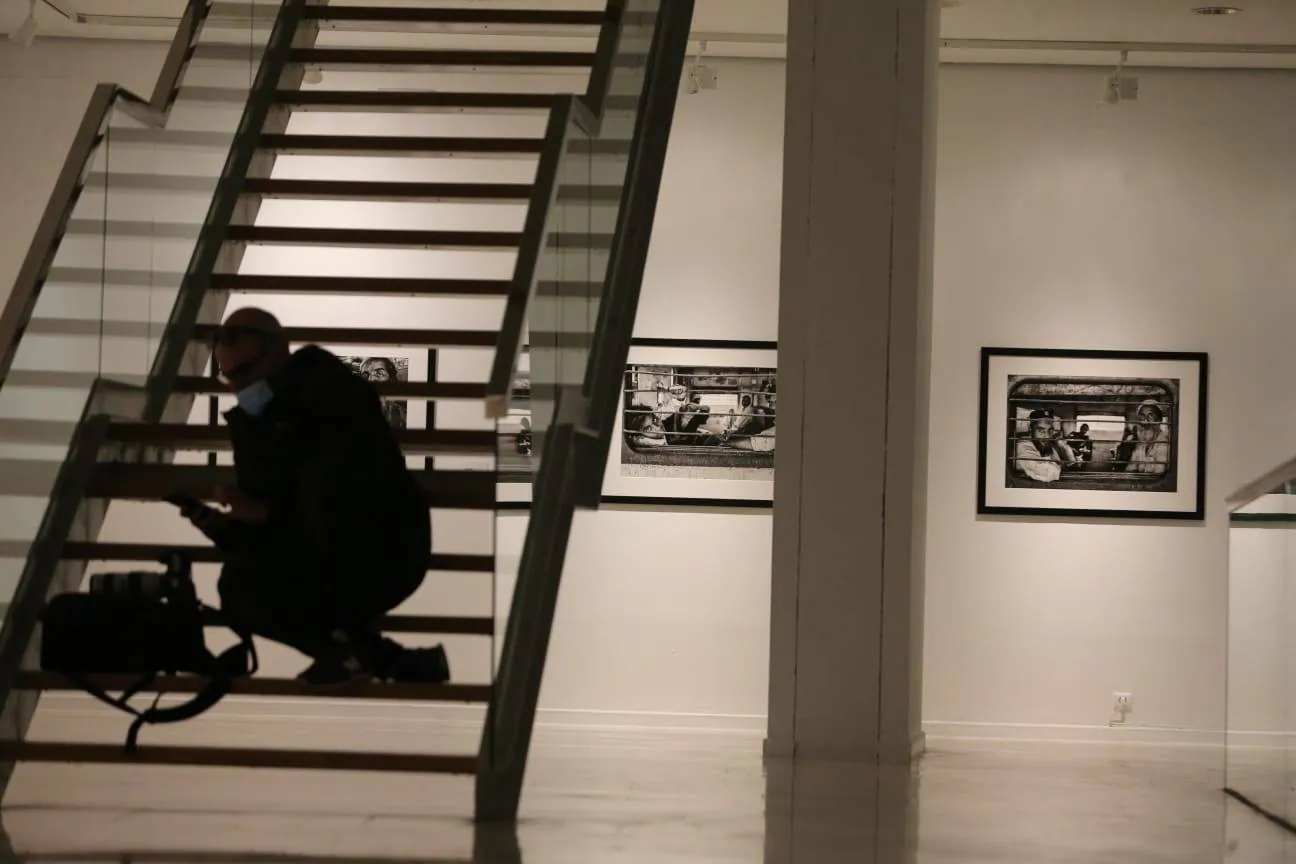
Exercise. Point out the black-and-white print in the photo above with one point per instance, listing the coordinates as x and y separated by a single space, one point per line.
699 422
381 370
516 442
1092 433
1114 434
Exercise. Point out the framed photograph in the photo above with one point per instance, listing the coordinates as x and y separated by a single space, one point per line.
379 369
1092 434
697 424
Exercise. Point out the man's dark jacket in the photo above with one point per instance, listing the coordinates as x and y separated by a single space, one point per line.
329 469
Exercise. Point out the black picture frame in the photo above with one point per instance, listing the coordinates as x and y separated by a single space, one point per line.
1034 397
656 500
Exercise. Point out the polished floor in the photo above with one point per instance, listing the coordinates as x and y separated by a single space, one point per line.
655 796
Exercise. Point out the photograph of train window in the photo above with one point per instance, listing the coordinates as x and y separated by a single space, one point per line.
380 370
516 458
699 422
1112 434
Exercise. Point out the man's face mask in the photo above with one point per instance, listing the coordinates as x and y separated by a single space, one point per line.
255 398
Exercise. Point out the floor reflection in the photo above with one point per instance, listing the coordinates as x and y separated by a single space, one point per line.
492 844
824 813
648 797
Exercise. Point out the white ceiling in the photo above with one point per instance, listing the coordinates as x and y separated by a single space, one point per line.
763 24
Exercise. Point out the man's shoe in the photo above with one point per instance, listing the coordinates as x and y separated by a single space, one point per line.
420 666
335 670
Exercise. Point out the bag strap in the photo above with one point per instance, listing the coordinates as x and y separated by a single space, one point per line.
122 702
235 662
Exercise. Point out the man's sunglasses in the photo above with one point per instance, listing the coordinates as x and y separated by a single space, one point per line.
230 334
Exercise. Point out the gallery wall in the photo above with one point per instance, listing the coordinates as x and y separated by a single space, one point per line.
1164 224
1061 222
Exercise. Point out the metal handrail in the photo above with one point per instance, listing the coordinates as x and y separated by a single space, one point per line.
586 112
152 112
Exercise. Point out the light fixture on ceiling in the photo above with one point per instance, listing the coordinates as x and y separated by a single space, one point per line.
312 75
25 35
700 76
1216 10
1121 87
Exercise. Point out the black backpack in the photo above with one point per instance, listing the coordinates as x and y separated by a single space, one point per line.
143 624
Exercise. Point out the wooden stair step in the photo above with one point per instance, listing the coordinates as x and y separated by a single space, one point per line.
389 191
411 100
217 95
183 138
404 58
350 237
379 285
422 442
429 625
97 276
387 145
450 490
425 15
146 552
366 190
401 101
374 336
135 228
118 181
189 684
430 390
226 757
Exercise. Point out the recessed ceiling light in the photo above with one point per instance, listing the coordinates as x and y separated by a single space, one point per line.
1216 10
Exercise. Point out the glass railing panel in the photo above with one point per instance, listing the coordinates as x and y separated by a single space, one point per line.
558 313
611 153
1261 703
113 277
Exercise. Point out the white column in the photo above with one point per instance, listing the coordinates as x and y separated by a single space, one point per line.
854 351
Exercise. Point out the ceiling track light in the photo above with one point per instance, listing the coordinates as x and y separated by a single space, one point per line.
1120 87
1210 11
701 77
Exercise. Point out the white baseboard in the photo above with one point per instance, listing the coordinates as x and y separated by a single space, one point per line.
249 720
75 713
1071 734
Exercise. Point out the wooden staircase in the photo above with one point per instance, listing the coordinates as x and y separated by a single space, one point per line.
174 202
468 489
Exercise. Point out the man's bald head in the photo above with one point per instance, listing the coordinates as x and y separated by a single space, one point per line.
250 346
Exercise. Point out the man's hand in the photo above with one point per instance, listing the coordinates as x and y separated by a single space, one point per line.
242 507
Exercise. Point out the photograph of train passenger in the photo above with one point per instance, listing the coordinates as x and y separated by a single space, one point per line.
1116 434
701 423
381 370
